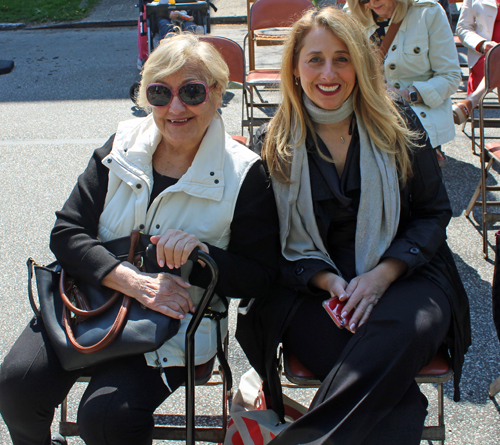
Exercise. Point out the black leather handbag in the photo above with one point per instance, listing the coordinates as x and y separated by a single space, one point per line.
88 325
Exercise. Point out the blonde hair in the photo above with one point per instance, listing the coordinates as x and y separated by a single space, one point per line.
173 54
385 126
364 14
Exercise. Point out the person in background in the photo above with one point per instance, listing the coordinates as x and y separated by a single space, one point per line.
478 28
421 64
181 19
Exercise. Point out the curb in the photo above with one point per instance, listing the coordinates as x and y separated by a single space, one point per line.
11 26
230 20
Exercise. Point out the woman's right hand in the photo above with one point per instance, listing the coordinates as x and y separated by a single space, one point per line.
330 282
162 292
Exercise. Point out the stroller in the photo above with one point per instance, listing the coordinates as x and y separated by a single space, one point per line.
148 32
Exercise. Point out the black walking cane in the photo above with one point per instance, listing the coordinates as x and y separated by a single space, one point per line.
201 310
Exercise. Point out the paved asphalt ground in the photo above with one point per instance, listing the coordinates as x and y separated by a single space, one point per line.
67 93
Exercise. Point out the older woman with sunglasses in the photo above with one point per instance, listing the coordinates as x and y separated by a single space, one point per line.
178 176
421 63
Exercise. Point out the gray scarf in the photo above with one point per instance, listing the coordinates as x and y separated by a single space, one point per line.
379 207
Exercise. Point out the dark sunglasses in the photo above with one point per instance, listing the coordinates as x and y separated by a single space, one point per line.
191 93
364 2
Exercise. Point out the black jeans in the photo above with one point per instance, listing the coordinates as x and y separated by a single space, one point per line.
368 393
116 408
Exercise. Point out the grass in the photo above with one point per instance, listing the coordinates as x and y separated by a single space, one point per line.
39 11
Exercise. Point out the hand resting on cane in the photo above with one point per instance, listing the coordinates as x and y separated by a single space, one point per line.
163 292
175 246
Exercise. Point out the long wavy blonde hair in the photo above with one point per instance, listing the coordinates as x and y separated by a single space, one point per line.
386 128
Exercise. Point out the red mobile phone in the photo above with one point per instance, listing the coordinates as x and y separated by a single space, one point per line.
334 307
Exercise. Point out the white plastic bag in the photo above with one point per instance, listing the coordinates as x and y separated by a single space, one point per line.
251 422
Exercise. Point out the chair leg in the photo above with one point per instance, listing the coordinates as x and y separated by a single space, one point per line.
440 390
494 388
477 192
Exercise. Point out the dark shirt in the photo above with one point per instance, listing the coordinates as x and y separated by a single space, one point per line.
160 183
336 202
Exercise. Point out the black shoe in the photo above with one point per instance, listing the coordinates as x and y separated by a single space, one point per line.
57 439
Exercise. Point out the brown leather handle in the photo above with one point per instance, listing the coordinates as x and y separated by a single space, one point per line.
119 320
82 312
388 38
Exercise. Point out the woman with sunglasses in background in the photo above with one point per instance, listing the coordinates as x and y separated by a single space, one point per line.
178 176
421 63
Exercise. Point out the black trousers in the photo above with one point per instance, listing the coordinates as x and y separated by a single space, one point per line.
368 393
116 408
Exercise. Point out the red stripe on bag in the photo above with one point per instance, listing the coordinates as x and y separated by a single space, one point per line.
254 431
236 439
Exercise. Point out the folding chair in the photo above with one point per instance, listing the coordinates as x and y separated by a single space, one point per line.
267 23
437 372
489 152
233 55
196 375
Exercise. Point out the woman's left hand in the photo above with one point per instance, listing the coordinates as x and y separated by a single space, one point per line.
174 247
367 289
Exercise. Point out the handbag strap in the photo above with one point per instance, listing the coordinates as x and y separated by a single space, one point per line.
389 37
35 308
119 320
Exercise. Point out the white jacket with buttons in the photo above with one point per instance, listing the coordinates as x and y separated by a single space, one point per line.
475 24
423 54
202 203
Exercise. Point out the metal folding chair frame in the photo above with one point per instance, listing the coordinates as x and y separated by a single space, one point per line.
233 55
266 15
489 153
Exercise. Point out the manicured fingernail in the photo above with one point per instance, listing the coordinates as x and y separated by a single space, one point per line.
344 314
161 263
353 326
181 316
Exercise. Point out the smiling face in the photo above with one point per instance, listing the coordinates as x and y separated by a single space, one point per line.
383 8
324 66
183 125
